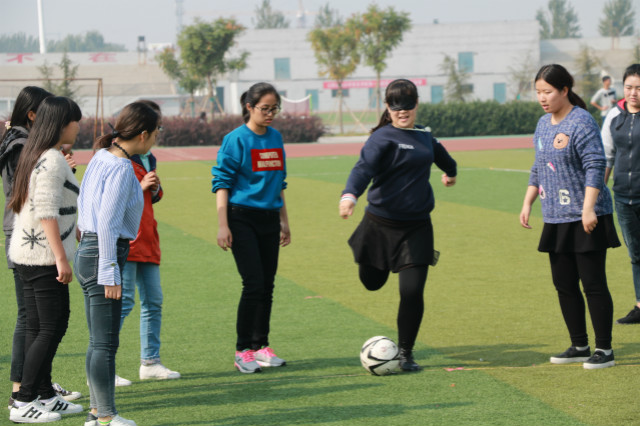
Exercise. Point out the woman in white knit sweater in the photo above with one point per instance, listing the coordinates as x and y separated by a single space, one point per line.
44 199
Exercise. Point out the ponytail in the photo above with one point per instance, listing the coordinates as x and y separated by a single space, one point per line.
385 119
576 100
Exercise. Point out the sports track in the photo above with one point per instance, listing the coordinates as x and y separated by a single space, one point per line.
294 150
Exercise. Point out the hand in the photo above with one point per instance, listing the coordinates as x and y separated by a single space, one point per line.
78 234
524 216
225 238
589 221
149 181
113 292
65 275
70 161
285 234
345 208
448 181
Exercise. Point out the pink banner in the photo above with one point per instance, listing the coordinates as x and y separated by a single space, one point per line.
367 84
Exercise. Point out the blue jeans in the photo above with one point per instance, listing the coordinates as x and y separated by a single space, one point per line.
629 220
103 320
145 276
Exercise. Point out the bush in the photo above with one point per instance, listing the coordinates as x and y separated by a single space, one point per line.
480 118
193 132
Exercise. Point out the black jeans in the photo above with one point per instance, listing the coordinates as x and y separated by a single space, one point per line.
567 270
412 281
256 243
47 307
19 333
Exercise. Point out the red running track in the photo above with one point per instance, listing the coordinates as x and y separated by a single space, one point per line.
294 150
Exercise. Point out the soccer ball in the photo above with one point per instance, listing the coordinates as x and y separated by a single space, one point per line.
379 356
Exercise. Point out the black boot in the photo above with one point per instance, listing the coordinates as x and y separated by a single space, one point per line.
406 361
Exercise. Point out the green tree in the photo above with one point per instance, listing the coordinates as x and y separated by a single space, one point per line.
337 56
378 32
91 41
18 43
180 74
327 17
267 18
618 19
457 88
69 72
204 50
560 21
522 75
587 72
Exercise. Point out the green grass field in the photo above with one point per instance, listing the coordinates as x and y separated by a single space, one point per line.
491 321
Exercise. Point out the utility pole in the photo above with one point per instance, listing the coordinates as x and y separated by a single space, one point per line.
43 44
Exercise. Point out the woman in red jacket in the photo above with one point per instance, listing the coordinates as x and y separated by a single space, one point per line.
142 270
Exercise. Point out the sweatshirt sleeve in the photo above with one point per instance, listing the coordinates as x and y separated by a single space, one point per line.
591 152
48 180
443 160
367 167
228 162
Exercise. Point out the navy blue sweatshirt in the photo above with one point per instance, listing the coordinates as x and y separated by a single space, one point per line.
398 161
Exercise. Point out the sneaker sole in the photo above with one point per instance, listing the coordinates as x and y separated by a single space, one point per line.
268 364
160 378
71 397
554 360
257 370
596 366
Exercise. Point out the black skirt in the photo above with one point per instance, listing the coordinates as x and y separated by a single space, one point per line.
392 245
571 238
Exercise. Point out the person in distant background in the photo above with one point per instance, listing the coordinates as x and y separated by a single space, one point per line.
605 98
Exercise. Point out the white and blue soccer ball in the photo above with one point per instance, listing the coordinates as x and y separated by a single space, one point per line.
380 356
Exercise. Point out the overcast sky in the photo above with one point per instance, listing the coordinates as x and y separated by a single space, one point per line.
122 21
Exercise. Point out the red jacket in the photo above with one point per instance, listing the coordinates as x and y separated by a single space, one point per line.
146 246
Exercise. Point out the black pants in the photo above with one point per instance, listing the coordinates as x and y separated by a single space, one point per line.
19 333
567 270
256 243
412 282
47 306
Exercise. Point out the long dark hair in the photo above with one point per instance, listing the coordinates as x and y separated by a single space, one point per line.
399 92
53 115
558 76
253 96
134 119
28 99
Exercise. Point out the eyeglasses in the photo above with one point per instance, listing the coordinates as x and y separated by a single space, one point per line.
269 110
160 129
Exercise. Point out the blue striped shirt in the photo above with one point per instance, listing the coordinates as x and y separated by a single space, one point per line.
110 204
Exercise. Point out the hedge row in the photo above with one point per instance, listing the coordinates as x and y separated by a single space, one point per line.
480 118
193 132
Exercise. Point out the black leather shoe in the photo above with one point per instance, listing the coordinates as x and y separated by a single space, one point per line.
406 361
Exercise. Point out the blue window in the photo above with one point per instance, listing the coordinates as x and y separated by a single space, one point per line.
465 61
282 68
314 103
334 93
500 92
437 94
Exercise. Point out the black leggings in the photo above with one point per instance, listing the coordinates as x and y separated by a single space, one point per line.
412 281
567 270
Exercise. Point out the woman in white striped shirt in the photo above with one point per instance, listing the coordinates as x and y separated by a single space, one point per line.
109 211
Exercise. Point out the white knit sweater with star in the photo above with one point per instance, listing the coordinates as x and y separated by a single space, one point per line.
53 194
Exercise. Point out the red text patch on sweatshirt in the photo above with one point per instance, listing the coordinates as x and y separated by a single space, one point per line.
267 159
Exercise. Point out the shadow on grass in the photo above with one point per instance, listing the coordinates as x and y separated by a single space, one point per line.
323 414
502 355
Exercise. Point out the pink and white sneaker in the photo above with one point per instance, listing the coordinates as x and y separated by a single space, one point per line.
246 362
266 358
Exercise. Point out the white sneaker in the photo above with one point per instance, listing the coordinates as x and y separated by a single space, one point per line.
157 371
67 395
91 420
59 405
33 412
121 421
266 358
121 381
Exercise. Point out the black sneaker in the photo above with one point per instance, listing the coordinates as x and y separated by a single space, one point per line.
571 355
633 317
406 361
91 420
599 360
